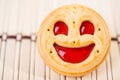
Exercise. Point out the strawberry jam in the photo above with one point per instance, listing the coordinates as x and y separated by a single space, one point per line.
60 28
87 28
74 55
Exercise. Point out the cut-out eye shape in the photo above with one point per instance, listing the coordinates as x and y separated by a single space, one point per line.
87 28
60 28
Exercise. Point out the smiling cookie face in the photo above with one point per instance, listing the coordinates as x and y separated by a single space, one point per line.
73 40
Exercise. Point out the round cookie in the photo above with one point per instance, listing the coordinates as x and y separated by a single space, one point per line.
73 40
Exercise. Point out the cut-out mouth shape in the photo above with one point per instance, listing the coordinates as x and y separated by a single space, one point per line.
74 55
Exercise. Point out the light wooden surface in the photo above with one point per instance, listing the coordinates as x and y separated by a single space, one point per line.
19 57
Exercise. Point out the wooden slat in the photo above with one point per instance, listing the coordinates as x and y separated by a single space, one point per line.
39 66
115 60
116 18
29 16
24 17
9 60
2 58
79 78
47 73
101 72
119 48
109 70
24 67
26 10
20 18
62 77
88 3
32 61
0 46
87 77
5 17
119 39
2 10
34 12
17 59
54 75
70 78
93 77
13 17
63 2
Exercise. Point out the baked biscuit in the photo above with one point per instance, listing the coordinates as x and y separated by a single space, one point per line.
73 40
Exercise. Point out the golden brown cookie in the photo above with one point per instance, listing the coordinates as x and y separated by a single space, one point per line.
73 40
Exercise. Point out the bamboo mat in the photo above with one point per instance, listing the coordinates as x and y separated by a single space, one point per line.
19 57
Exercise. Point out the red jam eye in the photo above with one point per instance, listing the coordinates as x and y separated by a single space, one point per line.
87 28
60 28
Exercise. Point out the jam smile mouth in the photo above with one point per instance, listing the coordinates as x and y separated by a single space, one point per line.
73 55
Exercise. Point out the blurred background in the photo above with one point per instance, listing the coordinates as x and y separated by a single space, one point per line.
19 22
